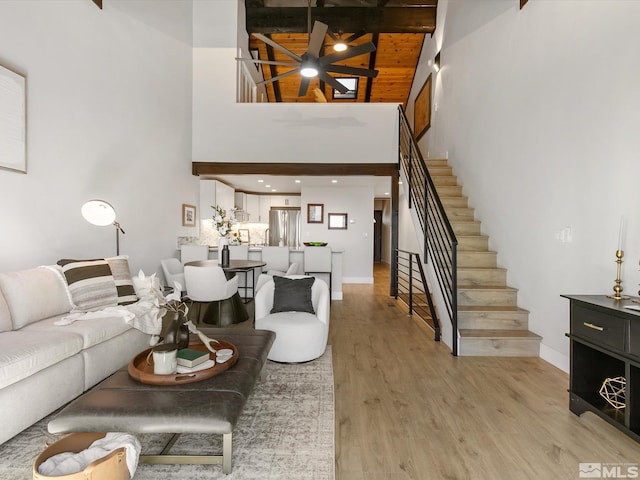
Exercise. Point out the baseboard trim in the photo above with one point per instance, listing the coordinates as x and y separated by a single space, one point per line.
554 357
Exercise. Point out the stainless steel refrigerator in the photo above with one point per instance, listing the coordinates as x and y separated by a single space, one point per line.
284 226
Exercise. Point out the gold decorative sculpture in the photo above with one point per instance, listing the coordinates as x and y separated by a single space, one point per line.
613 390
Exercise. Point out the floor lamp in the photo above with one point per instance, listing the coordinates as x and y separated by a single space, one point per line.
101 213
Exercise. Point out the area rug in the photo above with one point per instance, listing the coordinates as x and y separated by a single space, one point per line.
286 431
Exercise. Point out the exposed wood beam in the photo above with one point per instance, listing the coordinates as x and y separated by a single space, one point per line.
523 3
315 169
372 66
415 19
274 73
98 3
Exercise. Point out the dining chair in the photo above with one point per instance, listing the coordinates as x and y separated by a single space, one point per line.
276 259
317 260
191 253
238 252
209 285
173 271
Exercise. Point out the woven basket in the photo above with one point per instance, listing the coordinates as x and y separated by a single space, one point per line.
111 467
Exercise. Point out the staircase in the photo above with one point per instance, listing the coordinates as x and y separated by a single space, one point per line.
490 322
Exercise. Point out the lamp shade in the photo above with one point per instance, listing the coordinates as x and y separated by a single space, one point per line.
98 212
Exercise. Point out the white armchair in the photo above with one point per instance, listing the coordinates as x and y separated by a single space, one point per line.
300 336
173 271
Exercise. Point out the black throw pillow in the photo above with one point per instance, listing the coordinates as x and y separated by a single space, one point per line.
292 295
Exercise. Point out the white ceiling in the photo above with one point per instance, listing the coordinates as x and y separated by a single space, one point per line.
288 184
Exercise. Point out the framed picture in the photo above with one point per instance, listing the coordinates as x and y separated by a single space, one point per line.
13 121
422 110
188 215
337 221
315 213
243 235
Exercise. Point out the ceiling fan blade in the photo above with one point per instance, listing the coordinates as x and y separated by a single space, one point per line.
351 52
326 78
277 46
355 36
267 62
304 86
316 39
278 77
361 72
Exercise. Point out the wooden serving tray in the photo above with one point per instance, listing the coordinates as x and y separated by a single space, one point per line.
142 370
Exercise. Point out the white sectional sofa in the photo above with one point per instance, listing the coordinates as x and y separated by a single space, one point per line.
43 365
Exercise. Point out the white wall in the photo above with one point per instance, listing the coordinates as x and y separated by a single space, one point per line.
357 240
109 116
538 111
225 131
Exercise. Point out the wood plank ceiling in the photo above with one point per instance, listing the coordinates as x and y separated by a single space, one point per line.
396 27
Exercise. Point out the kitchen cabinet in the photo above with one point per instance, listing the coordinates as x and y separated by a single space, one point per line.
213 192
250 204
285 200
605 344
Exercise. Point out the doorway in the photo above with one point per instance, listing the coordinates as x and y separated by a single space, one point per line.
377 236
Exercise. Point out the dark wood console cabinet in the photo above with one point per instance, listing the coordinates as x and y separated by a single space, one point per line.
605 343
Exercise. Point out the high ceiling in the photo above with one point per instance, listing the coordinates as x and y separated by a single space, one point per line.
396 28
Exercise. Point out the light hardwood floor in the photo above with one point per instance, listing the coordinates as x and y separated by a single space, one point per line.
407 409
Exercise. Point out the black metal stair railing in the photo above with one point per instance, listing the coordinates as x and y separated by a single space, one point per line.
440 243
414 291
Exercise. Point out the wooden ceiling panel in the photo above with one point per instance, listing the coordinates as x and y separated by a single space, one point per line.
395 58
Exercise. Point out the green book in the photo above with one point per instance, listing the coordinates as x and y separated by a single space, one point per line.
189 357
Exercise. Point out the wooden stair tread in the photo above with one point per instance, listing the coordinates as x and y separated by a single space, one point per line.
481 269
492 308
480 333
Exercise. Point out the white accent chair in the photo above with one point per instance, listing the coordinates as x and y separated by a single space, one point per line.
209 285
192 253
300 336
317 260
173 271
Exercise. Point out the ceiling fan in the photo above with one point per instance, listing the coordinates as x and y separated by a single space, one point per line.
312 64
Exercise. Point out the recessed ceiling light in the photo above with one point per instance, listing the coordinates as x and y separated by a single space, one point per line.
274 190
267 186
297 181
386 193
334 181
399 182
260 181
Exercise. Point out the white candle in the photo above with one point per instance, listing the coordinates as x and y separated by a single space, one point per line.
621 233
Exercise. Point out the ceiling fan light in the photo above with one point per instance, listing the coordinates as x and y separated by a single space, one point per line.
340 47
309 72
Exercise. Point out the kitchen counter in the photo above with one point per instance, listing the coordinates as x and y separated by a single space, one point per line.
296 255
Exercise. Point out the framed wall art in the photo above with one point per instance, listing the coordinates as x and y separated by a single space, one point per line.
188 215
315 212
337 221
243 235
422 110
13 120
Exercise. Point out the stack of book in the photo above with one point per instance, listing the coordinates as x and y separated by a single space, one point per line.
190 360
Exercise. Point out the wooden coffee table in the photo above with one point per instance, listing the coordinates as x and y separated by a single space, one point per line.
213 405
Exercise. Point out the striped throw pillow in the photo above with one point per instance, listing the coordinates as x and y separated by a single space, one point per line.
91 285
122 276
